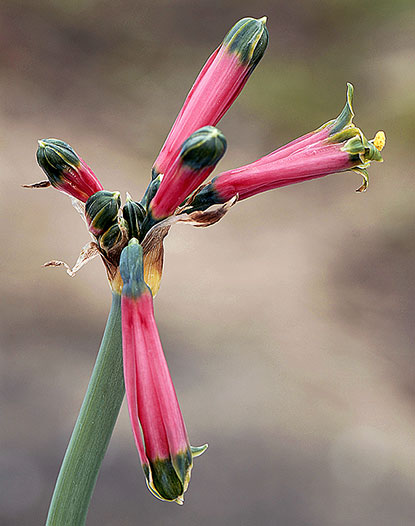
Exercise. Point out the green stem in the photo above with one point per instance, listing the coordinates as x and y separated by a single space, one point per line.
93 429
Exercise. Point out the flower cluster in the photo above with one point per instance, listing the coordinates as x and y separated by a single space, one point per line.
129 237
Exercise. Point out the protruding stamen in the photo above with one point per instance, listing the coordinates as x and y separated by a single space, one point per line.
379 140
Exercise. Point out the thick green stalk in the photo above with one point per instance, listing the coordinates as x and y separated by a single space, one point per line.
93 429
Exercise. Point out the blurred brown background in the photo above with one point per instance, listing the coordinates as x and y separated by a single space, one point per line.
288 327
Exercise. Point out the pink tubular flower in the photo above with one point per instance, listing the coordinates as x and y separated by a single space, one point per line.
65 170
194 162
166 455
336 146
217 86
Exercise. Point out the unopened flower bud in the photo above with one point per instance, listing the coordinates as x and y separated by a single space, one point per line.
151 189
195 161
101 210
65 170
133 213
205 147
114 238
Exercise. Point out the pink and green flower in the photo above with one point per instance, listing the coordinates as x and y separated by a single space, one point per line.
218 84
65 170
157 422
129 240
336 146
193 163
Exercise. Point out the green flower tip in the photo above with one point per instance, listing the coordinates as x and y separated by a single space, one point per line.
205 147
168 479
248 39
133 214
65 170
134 242
151 190
342 129
132 270
55 157
101 211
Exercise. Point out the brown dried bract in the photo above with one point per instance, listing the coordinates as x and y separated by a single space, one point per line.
89 251
40 184
153 248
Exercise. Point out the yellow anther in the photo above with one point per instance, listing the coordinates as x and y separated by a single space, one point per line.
379 140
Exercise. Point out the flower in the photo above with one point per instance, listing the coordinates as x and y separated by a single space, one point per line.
217 85
65 170
194 162
165 453
101 210
133 213
336 146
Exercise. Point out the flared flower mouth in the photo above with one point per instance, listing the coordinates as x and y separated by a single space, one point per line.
361 151
337 146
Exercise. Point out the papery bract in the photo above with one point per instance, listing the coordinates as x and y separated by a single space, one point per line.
165 454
